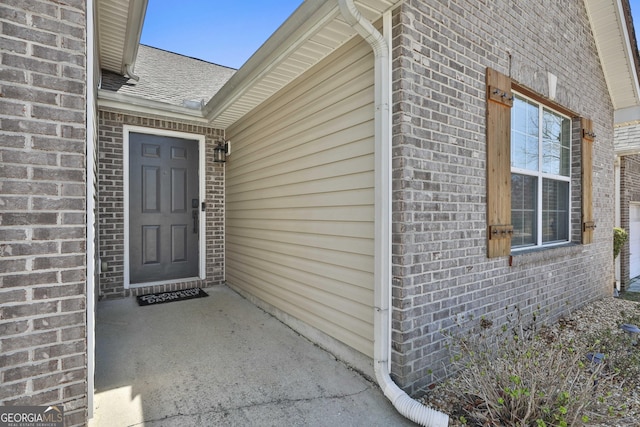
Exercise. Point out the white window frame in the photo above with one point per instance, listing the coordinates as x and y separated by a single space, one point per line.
542 175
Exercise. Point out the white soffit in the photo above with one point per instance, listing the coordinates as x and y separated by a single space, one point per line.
314 30
119 28
608 22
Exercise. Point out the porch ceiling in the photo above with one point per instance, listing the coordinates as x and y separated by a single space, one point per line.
314 31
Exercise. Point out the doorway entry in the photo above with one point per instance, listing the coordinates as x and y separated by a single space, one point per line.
164 209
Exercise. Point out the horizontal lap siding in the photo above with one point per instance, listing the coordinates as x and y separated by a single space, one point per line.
299 192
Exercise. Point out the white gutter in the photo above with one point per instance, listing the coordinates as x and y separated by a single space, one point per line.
128 71
408 407
109 99
617 219
135 20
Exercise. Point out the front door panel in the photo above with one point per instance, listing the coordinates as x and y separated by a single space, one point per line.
163 223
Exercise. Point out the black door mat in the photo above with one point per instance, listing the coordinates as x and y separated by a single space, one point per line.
162 297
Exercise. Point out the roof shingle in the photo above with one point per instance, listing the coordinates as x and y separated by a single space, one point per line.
170 78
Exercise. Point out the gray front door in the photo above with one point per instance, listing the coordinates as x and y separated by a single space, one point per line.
163 208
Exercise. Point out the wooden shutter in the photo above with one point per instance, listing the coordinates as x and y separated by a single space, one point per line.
499 103
588 224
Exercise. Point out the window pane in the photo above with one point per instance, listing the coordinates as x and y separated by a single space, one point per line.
565 165
555 144
555 211
540 161
524 134
523 210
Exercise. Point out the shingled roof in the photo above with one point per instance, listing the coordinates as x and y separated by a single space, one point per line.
169 78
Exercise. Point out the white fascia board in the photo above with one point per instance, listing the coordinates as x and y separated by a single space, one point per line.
108 99
305 21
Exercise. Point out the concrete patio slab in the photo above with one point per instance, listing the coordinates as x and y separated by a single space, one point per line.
221 361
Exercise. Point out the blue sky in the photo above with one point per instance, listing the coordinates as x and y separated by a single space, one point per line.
228 32
225 32
635 12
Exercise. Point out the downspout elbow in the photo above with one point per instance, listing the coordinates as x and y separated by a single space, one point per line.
404 404
129 72
365 29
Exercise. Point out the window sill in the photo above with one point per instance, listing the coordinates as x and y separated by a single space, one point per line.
542 255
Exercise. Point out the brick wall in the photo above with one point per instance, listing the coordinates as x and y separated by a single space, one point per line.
440 269
42 206
629 192
111 202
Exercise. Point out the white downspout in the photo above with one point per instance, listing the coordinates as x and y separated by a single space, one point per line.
90 206
408 407
617 219
128 69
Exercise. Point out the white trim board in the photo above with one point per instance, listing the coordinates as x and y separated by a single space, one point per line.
202 244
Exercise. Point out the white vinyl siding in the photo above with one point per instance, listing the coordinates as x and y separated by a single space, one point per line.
299 199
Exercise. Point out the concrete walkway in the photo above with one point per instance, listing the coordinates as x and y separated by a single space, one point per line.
634 285
221 361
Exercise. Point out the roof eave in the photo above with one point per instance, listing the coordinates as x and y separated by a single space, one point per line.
137 12
618 18
633 57
133 104
118 31
311 33
302 22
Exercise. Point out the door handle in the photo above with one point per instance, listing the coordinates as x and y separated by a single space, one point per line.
194 214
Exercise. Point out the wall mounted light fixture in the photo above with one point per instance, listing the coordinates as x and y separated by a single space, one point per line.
220 152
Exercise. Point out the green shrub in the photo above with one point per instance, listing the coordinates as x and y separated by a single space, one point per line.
620 237
518 376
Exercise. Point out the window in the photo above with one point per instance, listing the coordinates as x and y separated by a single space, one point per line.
540 175
534 198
